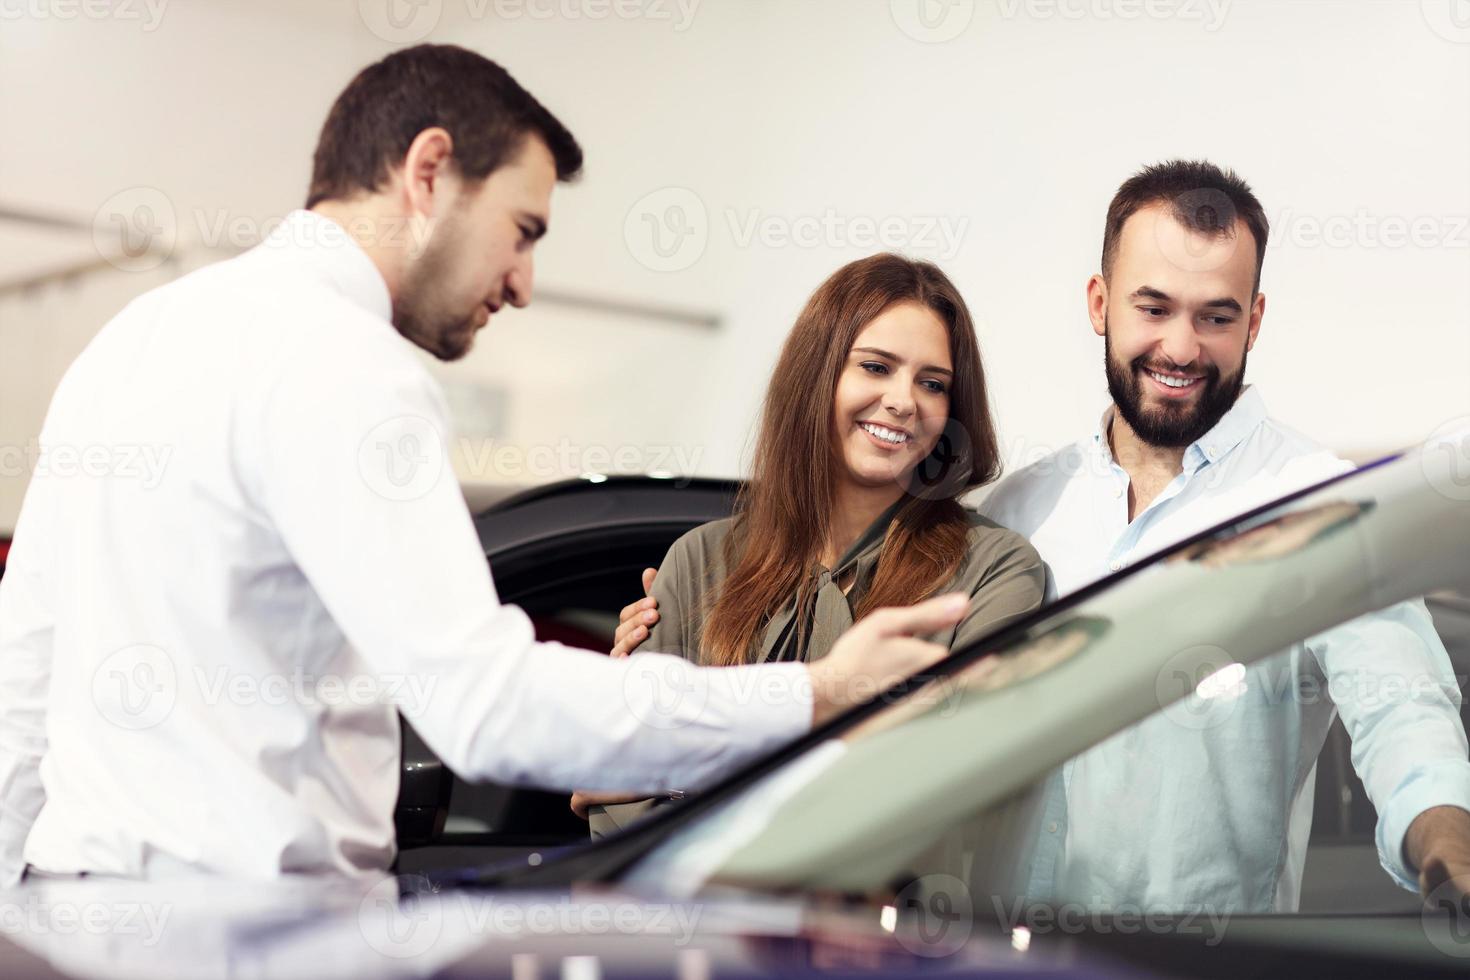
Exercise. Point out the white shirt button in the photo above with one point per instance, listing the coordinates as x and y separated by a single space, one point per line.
1115 565
1051 828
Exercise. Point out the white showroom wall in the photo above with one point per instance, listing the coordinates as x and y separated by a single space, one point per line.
768 141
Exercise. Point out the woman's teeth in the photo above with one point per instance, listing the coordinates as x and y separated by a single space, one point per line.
887 435
1172 382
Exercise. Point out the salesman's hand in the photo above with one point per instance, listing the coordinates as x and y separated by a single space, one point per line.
880 651
636 619
582 799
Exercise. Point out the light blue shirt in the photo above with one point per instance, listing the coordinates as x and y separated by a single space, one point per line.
1212 810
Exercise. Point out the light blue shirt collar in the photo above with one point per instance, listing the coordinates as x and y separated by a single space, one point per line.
1248 412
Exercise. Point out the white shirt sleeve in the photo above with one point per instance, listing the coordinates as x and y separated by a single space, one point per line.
353 472
27 628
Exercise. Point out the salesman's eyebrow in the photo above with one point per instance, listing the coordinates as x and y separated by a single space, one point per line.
928 369
1149 292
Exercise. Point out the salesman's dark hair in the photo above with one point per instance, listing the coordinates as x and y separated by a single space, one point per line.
1201 196
375 119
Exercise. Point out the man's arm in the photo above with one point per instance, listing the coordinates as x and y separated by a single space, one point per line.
354 474
27 632
1391 679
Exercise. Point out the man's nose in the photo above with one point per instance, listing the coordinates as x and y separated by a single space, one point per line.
518 283
1180 343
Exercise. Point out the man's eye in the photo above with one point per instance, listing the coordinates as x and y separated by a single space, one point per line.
1220 321
1152 310
875 367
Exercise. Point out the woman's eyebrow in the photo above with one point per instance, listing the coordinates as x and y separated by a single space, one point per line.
928 369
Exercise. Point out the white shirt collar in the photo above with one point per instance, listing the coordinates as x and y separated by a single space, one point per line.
319 244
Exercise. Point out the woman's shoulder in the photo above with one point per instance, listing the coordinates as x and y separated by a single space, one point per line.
704 540
998 543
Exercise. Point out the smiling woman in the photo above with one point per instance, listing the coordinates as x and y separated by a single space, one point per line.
876 421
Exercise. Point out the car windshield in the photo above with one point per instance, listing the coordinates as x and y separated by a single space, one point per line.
1148 693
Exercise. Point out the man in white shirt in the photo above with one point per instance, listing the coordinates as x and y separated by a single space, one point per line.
201 670
1163 817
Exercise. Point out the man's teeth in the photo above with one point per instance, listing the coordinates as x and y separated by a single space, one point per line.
887 435
1172 382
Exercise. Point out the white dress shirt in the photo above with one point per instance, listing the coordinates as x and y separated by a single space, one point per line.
243 551
1169 816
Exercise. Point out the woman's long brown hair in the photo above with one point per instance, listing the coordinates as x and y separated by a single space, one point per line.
783 514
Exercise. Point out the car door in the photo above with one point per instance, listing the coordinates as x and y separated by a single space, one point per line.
570 555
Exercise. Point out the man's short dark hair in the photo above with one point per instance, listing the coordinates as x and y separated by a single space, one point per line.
1200 195
484 110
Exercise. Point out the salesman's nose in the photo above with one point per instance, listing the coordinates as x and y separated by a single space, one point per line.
518 282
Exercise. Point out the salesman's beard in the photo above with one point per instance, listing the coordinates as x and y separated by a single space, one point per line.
1171 426
419 310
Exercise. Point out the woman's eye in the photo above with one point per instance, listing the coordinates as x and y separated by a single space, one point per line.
935 386
875 367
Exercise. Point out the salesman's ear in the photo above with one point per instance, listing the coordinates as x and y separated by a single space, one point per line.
428 163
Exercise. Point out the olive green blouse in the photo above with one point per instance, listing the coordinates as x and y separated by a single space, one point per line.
1001 573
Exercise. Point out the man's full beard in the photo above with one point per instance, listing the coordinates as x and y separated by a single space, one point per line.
1169 426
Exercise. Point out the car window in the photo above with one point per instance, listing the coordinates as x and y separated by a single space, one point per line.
952 783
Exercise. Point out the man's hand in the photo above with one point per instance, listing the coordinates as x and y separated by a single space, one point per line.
636 619
582 799
1438 845
880 651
